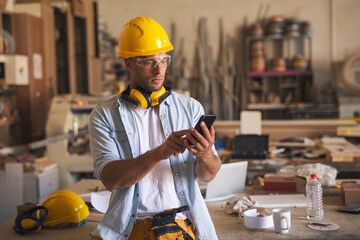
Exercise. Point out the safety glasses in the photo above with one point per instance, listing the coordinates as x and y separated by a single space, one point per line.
150 63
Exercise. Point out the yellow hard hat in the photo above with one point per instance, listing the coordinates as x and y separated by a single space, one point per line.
65 207
143 36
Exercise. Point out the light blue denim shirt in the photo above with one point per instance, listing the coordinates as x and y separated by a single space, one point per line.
114 136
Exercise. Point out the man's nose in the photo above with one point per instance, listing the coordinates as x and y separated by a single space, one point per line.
157 67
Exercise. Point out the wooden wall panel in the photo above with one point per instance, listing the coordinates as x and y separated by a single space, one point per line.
38 93
31 100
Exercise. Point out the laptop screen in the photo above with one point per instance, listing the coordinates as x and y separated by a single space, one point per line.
229 181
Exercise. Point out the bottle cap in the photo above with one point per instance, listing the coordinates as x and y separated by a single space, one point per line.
313 176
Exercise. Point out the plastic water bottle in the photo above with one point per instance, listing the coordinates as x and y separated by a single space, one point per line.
315 209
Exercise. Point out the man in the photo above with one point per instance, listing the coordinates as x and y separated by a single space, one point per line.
140 143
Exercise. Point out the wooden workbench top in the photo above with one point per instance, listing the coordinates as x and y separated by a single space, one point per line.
227 226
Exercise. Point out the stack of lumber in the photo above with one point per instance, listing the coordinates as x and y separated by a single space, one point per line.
340 150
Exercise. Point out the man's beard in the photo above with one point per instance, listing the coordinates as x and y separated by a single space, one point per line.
151 88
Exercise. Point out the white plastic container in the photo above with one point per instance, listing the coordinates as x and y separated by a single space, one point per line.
253 220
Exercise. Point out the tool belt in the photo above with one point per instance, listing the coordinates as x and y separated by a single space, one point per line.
165 227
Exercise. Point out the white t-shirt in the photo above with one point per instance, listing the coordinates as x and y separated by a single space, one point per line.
157 188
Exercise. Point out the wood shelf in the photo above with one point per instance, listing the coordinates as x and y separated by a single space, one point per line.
288 85
271 38
255 89
274 106
280 73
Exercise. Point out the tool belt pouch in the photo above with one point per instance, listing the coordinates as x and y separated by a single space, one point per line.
165 227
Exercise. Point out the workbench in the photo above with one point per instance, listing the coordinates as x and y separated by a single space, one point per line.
227 226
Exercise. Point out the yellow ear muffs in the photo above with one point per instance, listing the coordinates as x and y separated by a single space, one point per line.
140 98
25 222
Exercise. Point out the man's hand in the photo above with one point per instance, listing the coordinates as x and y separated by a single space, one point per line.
174 145
207 164
202 144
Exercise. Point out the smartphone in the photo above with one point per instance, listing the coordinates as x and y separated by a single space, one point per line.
209 119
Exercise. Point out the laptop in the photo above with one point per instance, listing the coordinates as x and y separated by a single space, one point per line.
250 147
229 181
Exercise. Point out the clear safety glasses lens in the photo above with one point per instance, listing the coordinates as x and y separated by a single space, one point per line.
163 61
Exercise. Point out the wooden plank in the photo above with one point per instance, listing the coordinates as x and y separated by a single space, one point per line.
95 75
94 64
49 51
283 129
340 150
79 8
71 50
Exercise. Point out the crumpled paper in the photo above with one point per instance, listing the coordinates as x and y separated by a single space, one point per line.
240 203
326 174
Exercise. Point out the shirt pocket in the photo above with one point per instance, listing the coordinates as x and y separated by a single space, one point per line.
122 143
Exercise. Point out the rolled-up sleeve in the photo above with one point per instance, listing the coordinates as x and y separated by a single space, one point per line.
102 145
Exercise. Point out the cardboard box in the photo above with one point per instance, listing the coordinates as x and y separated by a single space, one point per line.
284 182
350 192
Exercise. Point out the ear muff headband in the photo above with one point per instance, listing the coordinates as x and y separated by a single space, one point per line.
25 222
140 98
